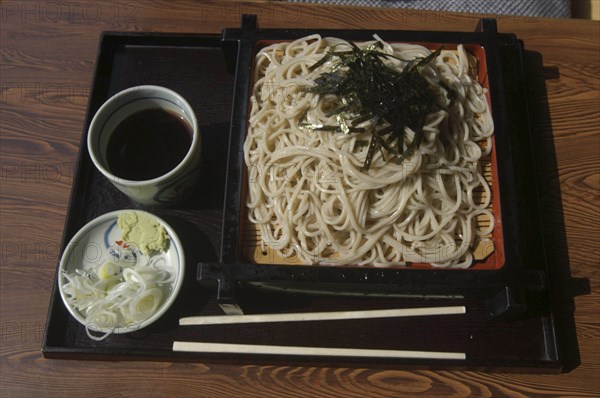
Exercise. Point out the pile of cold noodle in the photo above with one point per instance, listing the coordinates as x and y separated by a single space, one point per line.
309 193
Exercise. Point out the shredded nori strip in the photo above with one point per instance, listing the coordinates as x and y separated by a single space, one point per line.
369 90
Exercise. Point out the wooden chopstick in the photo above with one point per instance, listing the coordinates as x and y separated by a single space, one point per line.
188 346
320 316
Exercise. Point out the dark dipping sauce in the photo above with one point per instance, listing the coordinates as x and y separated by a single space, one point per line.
148 144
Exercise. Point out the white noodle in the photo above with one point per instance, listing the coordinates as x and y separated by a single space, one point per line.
309 196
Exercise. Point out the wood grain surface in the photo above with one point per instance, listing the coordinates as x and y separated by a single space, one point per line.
48 52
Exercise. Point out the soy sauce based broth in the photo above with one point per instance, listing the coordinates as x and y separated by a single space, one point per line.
148 144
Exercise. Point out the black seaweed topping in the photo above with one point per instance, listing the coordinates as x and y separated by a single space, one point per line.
368 90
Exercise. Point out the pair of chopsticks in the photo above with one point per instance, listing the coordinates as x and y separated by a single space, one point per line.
184 346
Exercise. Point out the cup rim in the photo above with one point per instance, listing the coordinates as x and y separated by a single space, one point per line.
136 183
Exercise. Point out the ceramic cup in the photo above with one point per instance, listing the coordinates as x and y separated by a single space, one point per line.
170 188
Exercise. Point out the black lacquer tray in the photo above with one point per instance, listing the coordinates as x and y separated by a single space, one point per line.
509 322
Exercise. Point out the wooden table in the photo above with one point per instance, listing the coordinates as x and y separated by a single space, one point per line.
48 54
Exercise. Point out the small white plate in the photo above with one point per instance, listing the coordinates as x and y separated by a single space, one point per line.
92 246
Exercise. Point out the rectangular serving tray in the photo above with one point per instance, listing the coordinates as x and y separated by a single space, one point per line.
486 256
524 265
519 336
